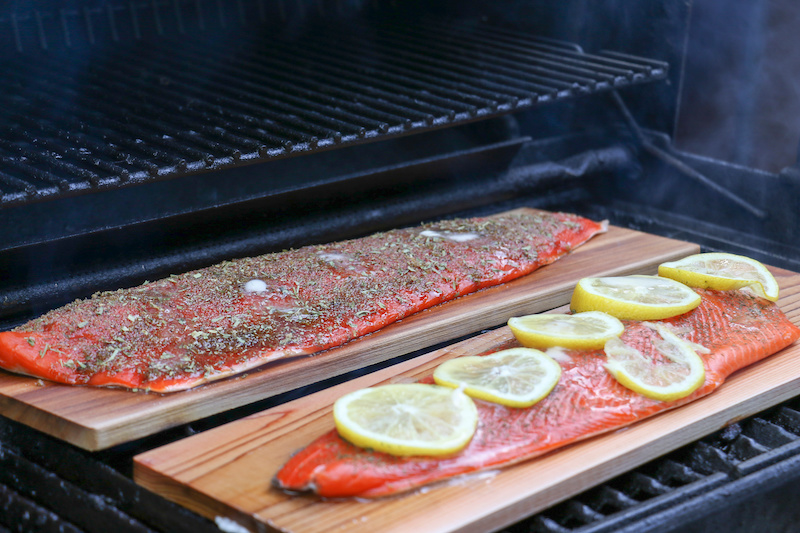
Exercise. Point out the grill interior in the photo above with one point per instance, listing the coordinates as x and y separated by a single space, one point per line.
727 480
127 114
759 450
142 138
274 113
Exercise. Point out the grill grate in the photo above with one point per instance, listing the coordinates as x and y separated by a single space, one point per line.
733 453
53 486
82 118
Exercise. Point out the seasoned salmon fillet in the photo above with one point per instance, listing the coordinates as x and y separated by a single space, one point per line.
732 330
188 329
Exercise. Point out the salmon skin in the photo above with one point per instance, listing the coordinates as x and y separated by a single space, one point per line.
737 329
222 320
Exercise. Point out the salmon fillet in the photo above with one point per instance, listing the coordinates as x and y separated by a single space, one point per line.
736 328
222 320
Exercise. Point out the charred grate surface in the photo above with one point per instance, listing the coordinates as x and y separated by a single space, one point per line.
82 118
47 485
692 472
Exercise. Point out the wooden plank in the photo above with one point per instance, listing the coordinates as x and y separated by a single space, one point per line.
95 418
227 471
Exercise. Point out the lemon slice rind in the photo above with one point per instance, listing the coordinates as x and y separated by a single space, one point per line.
581 331
634 297
517 377
407 419
723 272
632 370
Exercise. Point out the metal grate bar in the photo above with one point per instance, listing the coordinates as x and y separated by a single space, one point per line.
430 97
245 105
23 514
148 110
609 500
106 155
293 80
613 63
408 76
57 142
628 59
53 160
49 96
371 97
548 69
788 419
17 184
479 63
153 145
522 50
673 473
317 118
579 513
691 471
173 122
458 73
343 82
11 160
46 489
109 93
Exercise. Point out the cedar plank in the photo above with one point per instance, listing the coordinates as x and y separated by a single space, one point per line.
96 418
232 465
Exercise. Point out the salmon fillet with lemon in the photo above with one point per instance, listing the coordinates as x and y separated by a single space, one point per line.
731 330
208 324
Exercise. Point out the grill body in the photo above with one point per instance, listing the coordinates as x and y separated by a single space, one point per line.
139 139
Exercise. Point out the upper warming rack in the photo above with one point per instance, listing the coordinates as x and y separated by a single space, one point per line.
76 116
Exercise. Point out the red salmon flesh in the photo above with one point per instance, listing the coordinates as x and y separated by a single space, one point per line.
737 328
185 330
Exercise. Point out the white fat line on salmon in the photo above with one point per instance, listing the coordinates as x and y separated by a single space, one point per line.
473 477
332 256
559 354
458 237
680 332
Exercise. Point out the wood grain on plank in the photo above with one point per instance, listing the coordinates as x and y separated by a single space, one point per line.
96 418
227 471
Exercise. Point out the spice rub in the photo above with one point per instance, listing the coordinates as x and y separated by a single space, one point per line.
188 329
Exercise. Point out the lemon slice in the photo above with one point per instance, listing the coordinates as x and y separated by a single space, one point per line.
634 297
661 381
407 419
518 377
581 331
722 272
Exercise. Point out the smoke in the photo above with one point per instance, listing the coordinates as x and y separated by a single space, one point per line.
741 95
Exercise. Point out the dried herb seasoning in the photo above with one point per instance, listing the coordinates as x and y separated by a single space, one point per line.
187 329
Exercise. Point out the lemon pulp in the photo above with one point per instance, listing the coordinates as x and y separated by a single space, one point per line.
407 419
682 375
518 377
722 271
581 331
634 297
